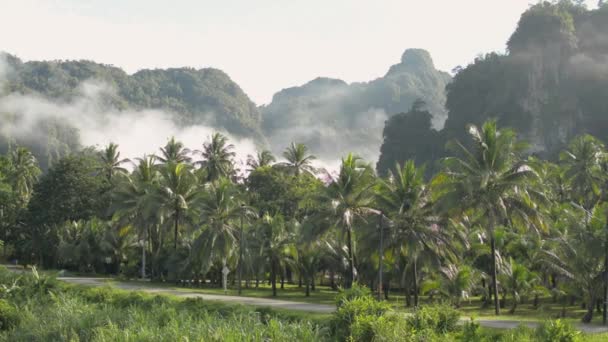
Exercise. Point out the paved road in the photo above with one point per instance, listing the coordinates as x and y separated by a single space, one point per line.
275 303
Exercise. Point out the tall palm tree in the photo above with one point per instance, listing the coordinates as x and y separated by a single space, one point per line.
132 200
350 201
221 211
298 159
582 162
174 152
218 157
406 200
24 172
492 181
111 162
176 195
276 245
263 158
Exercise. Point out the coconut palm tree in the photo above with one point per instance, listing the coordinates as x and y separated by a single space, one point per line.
174 152
23 172
350 201
406 200
576 251
298 159
218 158
582 163
132 200
176 195
276 245
493 182
263 158
111 162
221 210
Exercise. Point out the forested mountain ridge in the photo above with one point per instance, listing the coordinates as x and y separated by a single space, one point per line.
550 86
190 96
333 117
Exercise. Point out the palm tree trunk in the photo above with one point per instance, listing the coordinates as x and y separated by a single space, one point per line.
494 275
415 280
351 261
176 227
312 282
307 287
590 306
273 280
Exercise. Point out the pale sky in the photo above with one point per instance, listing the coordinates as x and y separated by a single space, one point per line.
264 45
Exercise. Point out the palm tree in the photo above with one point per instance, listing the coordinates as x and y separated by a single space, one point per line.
174 152
24 172
276 245
456 280
111 162
298 159
176 195
518 280
406 200
218 158
221 211
132 200
264 158
576 250
582 163
492 182
350 199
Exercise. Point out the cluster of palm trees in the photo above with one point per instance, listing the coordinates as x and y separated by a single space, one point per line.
494 222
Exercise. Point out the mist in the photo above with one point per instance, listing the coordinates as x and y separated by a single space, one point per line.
137 132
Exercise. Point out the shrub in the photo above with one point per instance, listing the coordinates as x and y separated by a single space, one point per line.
441 319
9 316
356 291
557 331
360 312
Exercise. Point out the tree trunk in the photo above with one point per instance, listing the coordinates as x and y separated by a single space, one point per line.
415 280
307 287
273 280
312 283
514 306
143 259
332 279
175 231
282 281
590 306
351 261
494 274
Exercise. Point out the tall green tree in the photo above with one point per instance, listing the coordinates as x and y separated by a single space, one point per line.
350 201
492 182
218 158
174 152
298 159
23 173
111 162
176 195
406 201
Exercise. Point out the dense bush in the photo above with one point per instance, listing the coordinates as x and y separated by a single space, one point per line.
442 319
9 317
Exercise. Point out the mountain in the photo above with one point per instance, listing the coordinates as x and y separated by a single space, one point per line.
550 86
190 96
334 118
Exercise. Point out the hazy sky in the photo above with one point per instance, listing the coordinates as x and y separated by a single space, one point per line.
264 45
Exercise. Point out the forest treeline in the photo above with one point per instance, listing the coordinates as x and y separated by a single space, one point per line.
494 221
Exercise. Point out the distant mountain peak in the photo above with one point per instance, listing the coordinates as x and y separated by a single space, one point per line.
419 58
